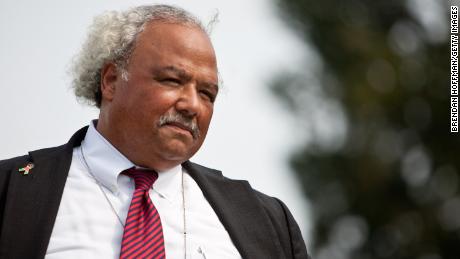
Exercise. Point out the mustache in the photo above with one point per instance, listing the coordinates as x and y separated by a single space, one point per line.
182 120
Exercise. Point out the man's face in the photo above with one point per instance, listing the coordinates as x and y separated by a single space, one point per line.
159 117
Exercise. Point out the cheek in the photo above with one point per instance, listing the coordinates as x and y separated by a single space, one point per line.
152 103
206 119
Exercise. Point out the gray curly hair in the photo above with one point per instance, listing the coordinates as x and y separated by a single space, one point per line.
111 38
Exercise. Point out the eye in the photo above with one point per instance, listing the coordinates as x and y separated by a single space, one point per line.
207 94
170 81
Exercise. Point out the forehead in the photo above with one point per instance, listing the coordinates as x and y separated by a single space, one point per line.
175 44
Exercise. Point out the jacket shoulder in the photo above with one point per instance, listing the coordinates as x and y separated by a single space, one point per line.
281 222
19 161
285 225
189 165
10 163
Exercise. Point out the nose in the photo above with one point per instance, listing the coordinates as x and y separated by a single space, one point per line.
189 102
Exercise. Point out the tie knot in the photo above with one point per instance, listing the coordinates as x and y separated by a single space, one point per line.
143 178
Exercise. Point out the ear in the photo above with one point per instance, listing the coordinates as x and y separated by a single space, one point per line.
109 80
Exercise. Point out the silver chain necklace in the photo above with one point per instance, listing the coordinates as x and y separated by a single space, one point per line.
118 216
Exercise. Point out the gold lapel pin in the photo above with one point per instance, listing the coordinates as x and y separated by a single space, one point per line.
26 170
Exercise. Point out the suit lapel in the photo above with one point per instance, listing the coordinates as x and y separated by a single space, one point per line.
240 212
33 201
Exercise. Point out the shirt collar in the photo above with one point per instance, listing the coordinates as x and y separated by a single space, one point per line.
105 162
168 185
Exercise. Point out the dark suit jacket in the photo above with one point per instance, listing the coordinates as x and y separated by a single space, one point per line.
260 226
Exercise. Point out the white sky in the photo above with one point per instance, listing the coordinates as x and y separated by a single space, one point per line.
250 136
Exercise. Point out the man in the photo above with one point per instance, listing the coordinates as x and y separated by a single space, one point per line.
124 186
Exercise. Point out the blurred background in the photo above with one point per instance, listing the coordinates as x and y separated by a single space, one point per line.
379 164
340 108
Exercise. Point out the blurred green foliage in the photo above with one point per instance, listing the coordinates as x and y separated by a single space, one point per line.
387 186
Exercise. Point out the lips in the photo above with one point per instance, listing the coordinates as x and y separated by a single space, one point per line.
180 123
180 126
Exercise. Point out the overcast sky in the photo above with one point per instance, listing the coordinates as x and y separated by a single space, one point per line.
250 135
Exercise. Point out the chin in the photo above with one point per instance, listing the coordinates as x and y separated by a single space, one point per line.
177 151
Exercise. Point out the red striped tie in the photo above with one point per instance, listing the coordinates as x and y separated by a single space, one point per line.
143 233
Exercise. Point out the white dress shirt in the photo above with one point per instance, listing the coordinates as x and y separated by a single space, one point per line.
88 222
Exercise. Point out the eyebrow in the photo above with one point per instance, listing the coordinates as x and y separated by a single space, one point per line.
182 73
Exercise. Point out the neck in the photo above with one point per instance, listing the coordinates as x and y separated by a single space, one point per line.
135 152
